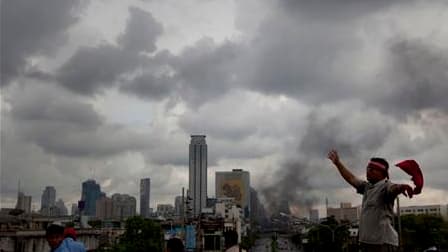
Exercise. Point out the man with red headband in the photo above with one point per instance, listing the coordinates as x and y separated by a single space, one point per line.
376 232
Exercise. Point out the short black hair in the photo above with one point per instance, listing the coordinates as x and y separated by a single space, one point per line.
54 229
175 245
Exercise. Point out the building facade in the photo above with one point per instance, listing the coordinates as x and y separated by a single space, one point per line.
91 192
61 208
48 200
345 212
234 184
104 208
165 210
437 210
198 174
124 206
178 207
145 190
24 202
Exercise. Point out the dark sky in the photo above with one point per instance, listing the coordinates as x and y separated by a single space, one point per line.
112 90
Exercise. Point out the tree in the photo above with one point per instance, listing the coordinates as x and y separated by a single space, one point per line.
422 231
141 235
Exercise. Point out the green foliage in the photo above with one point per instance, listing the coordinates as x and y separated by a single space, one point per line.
140 235
422 231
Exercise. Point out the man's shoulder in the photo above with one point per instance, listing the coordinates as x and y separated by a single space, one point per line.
72 244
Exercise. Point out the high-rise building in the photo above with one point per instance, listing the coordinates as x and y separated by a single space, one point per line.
198 174
145 190
104 208
257 212
165 210
91 191
124 206
61 208
23 202
48 200
178 206
48 197
75 210
234 184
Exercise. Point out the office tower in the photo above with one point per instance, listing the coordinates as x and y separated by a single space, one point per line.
165 210
178 206
48 197
198 174
234 184
91 191
61 208
124 206
23 202
104 208
75 210
145 190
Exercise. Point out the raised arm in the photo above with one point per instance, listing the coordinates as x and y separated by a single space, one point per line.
345 173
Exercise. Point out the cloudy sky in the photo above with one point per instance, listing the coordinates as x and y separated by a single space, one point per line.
112 90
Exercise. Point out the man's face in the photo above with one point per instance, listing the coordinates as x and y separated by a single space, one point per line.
375 174
54 240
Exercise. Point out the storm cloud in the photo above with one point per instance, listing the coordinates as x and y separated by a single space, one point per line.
274 86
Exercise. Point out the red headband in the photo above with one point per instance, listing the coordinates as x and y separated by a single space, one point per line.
377 165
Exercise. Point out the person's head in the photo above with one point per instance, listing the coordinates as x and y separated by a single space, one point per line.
377 169
54 235
175 245
70 232
231 238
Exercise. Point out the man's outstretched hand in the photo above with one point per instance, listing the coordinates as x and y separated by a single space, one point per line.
407 190
333 156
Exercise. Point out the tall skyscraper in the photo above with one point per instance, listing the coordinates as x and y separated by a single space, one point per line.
48 200
75 210
198 174
62 209
178 206
91 191
145 190
234 184
23 202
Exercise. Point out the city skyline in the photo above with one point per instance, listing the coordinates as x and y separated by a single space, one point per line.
113 91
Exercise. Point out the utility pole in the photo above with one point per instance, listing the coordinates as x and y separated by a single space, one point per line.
400 240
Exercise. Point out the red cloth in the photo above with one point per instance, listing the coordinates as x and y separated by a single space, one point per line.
412 168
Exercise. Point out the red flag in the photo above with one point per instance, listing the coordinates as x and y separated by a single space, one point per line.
412 168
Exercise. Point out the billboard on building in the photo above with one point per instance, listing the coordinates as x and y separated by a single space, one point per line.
234 184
